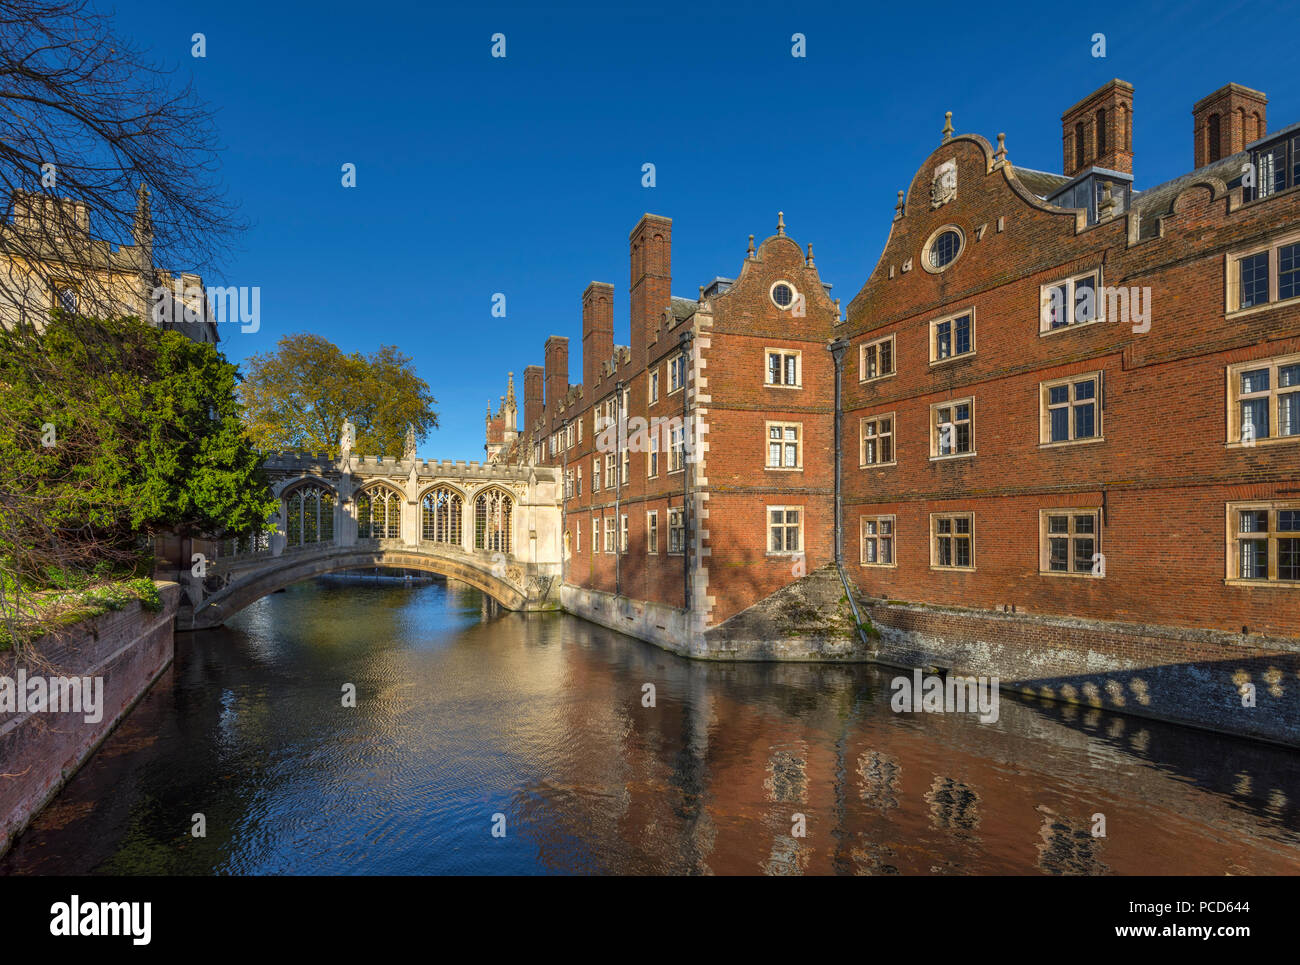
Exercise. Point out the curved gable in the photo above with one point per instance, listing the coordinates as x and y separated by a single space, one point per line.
966 185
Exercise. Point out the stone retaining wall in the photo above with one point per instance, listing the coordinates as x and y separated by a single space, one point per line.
1185 676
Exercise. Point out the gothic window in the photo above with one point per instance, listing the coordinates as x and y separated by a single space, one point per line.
440 516
493 521
309 515
379 514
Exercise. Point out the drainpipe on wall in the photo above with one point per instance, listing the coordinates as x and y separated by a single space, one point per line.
619 442
686 339
837 349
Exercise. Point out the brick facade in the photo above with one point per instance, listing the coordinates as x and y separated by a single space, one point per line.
728 409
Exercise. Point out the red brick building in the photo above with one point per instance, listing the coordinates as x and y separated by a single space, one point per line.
1070 395
698 457
1070 426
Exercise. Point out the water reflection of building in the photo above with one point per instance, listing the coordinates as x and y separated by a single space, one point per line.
879 775
715 773
1066 848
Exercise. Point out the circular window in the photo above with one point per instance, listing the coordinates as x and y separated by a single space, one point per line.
944 247
782 294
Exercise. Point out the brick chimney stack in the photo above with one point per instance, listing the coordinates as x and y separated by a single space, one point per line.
1226 121
1098 131
651 243
597 329
557 371
533 401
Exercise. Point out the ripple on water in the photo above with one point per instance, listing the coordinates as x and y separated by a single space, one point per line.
466 721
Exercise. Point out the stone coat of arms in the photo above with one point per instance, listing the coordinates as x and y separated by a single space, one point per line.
943 188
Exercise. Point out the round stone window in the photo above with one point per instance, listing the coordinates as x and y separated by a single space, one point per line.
944 247
782 295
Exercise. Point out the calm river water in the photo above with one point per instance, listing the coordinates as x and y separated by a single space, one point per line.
466 720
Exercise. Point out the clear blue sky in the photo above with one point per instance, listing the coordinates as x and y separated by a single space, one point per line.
523 175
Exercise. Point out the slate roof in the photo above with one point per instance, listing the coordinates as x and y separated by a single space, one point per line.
1040 183
1154 201
683 307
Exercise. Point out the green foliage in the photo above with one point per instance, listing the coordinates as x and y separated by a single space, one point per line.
59 609
147 437
297 397
115 596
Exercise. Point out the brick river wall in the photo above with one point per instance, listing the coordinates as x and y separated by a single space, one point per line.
40 751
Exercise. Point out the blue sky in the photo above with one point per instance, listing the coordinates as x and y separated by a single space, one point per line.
522 175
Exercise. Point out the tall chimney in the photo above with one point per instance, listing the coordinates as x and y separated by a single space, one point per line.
650 293
1098 131
597 330
557 372
1226 121
533 401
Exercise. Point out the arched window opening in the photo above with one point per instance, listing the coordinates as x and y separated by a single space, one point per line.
1101 131
1214 137
493 512
1078 144
309 516
440 513
379 514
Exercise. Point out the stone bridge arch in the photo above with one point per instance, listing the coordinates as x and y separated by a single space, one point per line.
230 588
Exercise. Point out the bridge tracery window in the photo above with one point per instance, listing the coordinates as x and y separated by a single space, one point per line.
440 515
493 521
309 515
379 514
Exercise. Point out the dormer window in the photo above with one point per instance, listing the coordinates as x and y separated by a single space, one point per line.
1088 191
1277 167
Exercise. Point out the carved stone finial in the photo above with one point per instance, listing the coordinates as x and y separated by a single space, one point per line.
1000 155
947 125
750 251
1107 205
809 260
780 223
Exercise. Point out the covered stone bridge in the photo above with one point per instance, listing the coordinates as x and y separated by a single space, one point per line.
494 526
